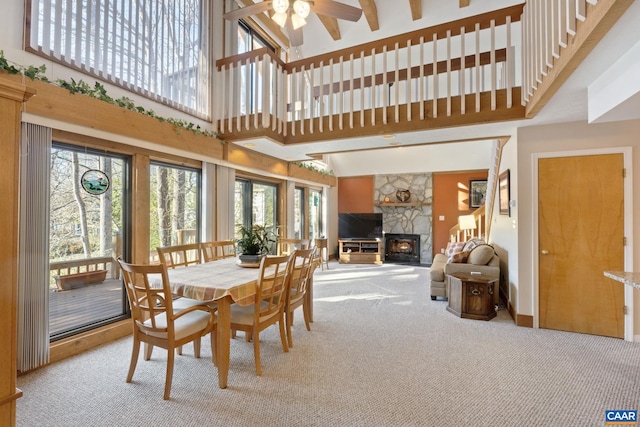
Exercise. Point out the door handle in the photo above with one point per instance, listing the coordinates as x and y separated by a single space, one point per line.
544 252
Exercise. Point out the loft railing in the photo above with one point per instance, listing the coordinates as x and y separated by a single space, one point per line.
459 68
556 36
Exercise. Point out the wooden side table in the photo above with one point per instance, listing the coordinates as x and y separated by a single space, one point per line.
471 295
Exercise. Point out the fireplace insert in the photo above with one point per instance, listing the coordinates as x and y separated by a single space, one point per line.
402 248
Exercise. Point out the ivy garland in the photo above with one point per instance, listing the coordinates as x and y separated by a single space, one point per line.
98 91
314 168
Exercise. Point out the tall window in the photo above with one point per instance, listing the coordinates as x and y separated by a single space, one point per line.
175 205
86 231
156 48
249 40
255 203
315 214
298 213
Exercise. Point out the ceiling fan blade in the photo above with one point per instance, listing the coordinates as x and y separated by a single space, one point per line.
336 10
295 36
248 10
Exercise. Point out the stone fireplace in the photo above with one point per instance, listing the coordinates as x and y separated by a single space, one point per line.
412 216
402 248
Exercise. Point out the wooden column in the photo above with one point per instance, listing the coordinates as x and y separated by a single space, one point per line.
12 95
141 205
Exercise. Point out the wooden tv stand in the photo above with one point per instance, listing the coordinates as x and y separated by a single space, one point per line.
360 251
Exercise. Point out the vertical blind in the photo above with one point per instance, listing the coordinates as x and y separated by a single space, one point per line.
158 48
33 248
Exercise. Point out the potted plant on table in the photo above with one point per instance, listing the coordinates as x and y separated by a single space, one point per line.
254 243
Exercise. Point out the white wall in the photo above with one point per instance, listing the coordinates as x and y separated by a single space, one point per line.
504 228
562 138
472 155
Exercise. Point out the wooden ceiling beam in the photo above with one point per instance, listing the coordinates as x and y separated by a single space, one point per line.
331 24
416 9
267 22
370 13
464 3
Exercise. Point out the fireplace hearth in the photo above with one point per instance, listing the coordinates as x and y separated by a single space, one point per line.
402 248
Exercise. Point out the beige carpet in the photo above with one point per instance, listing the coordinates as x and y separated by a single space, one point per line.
380 353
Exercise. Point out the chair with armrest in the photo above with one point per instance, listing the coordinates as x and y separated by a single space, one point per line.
180 255
157 323
268 308
299 272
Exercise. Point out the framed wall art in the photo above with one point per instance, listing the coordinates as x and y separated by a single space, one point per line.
504 193
477 192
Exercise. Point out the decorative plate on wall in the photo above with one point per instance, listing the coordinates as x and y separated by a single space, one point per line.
95 182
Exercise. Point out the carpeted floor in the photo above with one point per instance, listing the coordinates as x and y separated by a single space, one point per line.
380 353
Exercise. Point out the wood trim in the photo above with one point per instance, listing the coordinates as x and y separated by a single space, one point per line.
252 159
500 17
600 19
525 321
12 397
13 94
82 342
253 56
501 113
141 205
59 104
116 147
305 174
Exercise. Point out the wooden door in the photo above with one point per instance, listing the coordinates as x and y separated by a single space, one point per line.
581 225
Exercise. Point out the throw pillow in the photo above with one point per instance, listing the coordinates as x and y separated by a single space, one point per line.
453 248
472 243
480 255
459 257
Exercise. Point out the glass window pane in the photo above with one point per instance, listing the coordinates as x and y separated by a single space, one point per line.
86 231
315 214
298 213
175 206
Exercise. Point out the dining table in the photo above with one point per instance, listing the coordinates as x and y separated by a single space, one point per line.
226 282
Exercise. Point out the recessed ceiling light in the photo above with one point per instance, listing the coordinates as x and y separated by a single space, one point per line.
394 143
249 144
388 136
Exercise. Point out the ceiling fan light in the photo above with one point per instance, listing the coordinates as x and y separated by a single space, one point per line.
280 6
302 8
297 21
280 19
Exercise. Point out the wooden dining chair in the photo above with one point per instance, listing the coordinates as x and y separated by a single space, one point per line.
286 246
157 323
180 255
268 308
299 270
228 248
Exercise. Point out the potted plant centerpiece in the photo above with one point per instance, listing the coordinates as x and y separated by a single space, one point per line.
254 243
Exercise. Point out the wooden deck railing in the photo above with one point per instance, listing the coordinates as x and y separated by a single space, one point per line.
62 268
464 67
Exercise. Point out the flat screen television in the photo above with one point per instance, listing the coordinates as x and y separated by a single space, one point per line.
360 226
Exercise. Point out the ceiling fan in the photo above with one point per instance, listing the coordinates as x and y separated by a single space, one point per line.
291 14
